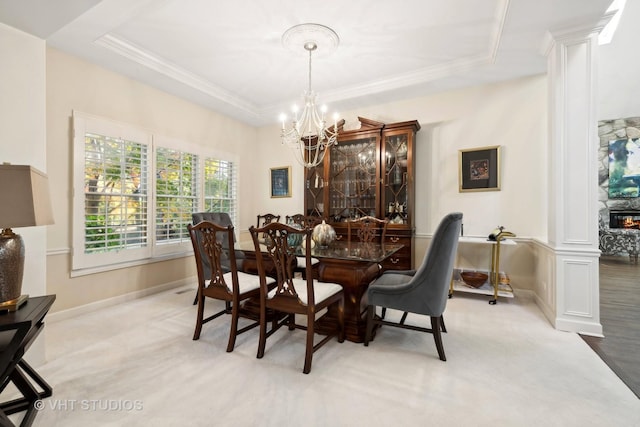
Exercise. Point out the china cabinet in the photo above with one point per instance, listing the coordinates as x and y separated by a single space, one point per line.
369 172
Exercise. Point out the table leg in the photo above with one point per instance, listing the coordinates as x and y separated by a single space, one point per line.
29 392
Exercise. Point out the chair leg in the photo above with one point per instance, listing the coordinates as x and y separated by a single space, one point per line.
196 333
404 317
341 321
384 312
444 328
435 327
263 331
234 327
371 310
291 322
195 299
308 356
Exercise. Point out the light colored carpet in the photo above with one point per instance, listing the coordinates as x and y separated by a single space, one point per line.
135 364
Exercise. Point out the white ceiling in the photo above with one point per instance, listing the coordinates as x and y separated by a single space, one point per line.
227 55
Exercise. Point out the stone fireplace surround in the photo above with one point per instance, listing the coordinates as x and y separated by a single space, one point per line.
607 130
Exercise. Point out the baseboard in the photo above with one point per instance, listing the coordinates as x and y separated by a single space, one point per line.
583 327
109 302
527 294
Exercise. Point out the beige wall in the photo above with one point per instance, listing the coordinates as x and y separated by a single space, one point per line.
73 84
475 117
511 114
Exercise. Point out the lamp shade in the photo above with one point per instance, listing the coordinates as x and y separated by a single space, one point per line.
24 202
24 197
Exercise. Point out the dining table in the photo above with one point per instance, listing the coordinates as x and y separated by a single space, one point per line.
353 265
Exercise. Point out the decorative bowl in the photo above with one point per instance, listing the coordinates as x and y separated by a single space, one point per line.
323 234
474 278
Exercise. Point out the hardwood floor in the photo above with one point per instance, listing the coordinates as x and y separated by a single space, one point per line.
620 318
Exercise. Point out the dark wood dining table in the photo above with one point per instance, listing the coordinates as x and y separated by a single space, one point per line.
351 264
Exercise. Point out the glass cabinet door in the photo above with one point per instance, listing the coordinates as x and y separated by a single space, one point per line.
315 191
353 168
395 178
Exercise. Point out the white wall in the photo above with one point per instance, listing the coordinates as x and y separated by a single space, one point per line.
22 131
23 141
619 68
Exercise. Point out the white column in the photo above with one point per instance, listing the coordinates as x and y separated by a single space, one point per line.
573 186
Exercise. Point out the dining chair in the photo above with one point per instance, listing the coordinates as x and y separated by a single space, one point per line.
224 220
368 229
293 295
228 285
425 292
267 219
304 221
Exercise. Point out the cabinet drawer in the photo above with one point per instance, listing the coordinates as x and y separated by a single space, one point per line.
398 240
401 260
397 262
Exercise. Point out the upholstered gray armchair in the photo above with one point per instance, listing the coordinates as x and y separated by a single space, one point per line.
424 292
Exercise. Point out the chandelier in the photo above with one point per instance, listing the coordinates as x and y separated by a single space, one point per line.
308 134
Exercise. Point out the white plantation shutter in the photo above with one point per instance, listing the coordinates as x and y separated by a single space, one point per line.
134 193
220 187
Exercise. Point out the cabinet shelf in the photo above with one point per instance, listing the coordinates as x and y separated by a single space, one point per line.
493 286
505 291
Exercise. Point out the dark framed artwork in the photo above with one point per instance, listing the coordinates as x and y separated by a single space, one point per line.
281 182
479 169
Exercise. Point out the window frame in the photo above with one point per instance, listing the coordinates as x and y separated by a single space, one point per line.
83 263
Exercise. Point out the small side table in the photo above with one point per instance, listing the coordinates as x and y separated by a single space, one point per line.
18 329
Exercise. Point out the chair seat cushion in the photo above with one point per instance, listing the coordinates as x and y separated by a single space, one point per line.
302 262
389 290
322 290
246 282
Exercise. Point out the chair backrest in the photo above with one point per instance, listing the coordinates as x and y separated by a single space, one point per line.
275 250
221 219
305 221
267 219
209 240
433 277
368 229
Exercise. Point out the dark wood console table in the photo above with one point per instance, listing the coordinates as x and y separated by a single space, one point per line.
18 329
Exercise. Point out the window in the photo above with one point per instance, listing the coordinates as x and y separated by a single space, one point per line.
220 187
177 195
115 196
134 193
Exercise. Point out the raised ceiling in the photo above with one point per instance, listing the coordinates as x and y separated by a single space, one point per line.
228 55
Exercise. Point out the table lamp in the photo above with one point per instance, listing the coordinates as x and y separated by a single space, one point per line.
24 202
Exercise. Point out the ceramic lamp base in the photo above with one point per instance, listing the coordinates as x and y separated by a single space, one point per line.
13 305
11 266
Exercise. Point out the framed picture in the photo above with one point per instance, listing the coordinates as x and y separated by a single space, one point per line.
281 182
624 168
479 169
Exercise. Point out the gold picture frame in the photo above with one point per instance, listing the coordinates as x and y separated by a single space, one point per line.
479 169
280 179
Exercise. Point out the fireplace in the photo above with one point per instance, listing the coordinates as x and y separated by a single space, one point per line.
624 219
